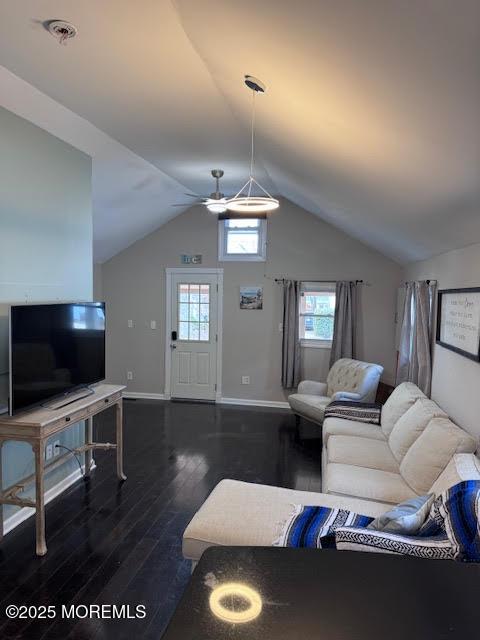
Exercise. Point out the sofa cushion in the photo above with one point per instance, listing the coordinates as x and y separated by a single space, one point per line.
409 426
367 484
402 398
341 427
361 452
463 466
242 513
310 406
432 451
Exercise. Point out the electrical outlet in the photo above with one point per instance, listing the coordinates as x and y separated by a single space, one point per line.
56 448
280 327
49 452
130 324
153 324
245 379
129 375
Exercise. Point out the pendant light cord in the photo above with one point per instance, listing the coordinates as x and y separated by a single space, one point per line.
252 145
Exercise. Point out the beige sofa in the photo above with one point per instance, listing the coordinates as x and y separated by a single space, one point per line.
348 379
366 468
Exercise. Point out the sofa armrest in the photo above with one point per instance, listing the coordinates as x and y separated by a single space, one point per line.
346 395
312 388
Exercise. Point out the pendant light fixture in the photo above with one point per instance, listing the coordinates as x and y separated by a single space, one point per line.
245 201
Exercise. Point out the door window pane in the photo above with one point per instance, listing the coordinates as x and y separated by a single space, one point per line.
183 314
194 313
194 331
183 292
194 293
205 293
204 312
193 317
183 330
204 331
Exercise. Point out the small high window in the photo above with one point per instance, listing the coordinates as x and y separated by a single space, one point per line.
242 239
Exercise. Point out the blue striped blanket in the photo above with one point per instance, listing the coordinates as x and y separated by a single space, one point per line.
451 530
315 526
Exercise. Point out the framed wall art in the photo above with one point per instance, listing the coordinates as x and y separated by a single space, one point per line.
251 297
458 321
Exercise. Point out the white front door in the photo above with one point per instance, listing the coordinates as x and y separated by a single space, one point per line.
193 340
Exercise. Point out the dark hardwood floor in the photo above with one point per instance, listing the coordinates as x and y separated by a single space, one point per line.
112 543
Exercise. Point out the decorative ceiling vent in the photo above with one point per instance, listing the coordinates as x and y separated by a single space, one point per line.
61 30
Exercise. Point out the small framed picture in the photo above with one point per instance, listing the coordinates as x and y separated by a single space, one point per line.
251 297
458 321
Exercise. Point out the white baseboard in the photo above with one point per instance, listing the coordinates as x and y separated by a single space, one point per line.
26 512
140 395
247 402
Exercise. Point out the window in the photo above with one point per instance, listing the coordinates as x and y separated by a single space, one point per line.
194 312
317 312
242 239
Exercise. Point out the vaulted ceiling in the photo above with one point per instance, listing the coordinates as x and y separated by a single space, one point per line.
370 121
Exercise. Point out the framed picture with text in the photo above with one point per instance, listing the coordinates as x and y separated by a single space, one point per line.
458 321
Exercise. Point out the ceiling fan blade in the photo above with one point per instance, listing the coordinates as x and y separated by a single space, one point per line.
192 195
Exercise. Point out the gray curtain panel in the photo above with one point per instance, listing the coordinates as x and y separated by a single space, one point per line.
291 340
345 327
416 338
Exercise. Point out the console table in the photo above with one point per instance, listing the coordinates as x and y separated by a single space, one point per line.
39 425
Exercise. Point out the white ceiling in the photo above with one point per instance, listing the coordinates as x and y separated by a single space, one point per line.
370 120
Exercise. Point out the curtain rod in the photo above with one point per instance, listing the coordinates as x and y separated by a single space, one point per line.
324 281
427 281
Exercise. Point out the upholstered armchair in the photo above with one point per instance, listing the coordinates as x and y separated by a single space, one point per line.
348 379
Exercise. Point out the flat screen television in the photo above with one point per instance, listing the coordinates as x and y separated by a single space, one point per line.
55 349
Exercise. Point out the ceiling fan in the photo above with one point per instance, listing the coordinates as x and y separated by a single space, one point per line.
215 202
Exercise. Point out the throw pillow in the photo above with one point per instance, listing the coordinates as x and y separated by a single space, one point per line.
406 518
314 527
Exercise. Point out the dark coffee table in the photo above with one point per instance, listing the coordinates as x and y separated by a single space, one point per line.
308 594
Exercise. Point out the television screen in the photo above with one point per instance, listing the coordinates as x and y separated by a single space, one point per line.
54 349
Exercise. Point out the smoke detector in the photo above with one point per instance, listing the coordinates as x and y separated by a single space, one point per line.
61 30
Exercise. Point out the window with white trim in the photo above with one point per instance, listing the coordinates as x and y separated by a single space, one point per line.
242 239
317 313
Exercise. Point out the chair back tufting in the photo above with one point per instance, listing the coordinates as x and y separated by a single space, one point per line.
354 376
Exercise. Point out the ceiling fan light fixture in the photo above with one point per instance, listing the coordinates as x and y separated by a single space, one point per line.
217 207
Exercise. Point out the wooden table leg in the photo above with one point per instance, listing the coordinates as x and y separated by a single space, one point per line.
119 424
39 452
88 440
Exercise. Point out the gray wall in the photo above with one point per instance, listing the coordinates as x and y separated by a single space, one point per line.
45 245
455 380
300 246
